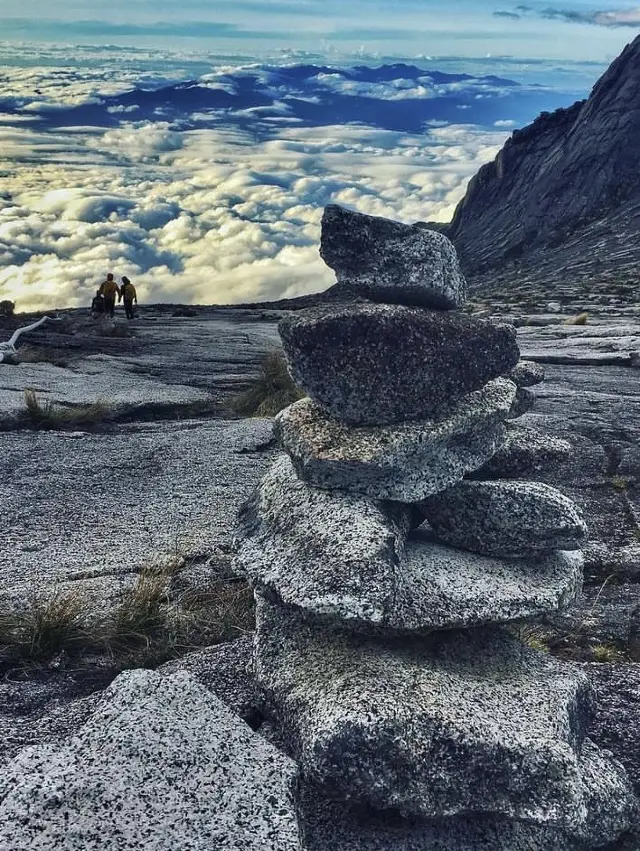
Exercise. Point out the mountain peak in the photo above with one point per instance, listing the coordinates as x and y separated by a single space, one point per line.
556 177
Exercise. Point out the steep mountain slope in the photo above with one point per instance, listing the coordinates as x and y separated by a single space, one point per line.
561 201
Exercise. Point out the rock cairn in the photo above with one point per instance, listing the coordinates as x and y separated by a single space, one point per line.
389 550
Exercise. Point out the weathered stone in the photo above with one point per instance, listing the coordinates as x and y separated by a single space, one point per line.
525 451
526 373
388 261
331 553
469 721
524 402
301 544
162 764
331 825
440 588
374 364
505 518
404 462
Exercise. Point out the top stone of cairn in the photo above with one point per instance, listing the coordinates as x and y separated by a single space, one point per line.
390 262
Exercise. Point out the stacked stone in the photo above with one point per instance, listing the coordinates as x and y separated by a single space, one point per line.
419 720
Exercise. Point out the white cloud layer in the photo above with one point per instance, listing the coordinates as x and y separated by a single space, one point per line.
208 216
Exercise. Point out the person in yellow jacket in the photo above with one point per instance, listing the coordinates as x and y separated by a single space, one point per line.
109 290
129 295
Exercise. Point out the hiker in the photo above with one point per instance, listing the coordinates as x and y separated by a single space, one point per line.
109 290
129 295
97 305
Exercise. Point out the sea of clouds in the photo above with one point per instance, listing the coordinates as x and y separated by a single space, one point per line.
205 182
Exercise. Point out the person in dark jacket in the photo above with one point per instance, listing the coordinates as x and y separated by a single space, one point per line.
129 296
109 290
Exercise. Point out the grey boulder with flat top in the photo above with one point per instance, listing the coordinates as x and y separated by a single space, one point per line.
387 261
162 764
404 462
459 722
377 364
505 518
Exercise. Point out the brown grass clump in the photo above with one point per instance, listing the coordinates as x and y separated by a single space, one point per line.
580 319
47 627
271 390
49 415
145 629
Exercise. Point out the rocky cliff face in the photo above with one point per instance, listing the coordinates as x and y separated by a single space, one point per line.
564 193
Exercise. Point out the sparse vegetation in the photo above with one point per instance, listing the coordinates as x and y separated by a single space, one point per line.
49 415
606 653
272 389
46 627
43 354
147 628
580 319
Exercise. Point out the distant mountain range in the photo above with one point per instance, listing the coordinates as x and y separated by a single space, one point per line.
559 207
397 97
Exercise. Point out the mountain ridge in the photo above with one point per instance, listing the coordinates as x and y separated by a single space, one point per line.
562 197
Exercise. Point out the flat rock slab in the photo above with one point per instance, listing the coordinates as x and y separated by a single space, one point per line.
525 451
344 558
459 722
375 364
388 261
405 462
506 518
598 344
331 553
331 825
109 504
162 764
443 588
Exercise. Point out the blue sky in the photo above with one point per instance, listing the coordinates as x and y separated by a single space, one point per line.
568 29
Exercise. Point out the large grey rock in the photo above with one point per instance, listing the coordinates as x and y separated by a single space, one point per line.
469 721
341 558
524 402
505 518
391 262
442 588
525 451
331 825
161 765
404 462
617 722
374 364
332 553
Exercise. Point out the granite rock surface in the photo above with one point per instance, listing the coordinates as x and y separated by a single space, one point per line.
388 261
332 553
436 727
404 462
375 364
505 518
526 373
162 764
525 452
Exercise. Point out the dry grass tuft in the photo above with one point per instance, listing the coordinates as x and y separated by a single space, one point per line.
272 389
48 415
145 629
580 319
49 626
